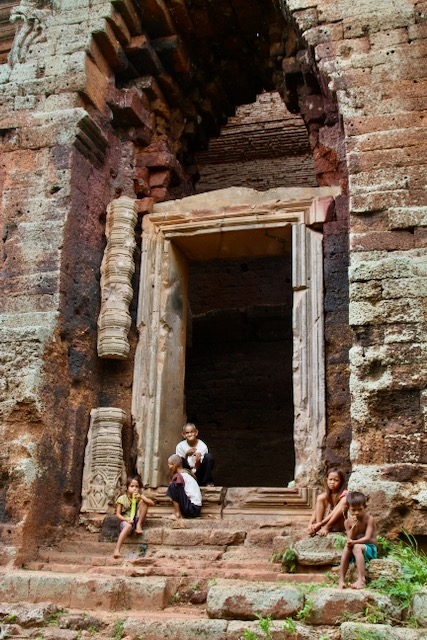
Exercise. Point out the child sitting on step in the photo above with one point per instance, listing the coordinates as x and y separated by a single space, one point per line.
361 546
183 490
195 455
331 506
131 510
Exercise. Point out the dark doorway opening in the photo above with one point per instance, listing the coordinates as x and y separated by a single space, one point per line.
238 383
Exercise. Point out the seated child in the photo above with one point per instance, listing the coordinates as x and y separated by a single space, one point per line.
361 545
131 519
331 506
183 490
195 455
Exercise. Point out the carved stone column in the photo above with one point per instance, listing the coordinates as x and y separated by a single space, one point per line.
104 470
116 272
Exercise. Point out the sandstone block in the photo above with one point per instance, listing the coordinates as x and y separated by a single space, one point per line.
389 38
329 604
389 267
382 241
365 290
317 551
176 629
306 18
415 287
403 217
324 33
278 631
419 608
352 631
228 599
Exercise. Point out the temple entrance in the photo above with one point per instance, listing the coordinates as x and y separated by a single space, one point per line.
259 340
238 380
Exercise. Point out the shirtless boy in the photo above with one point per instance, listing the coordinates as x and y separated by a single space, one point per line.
361 543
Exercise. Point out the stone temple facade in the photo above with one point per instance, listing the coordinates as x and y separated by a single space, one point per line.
214 211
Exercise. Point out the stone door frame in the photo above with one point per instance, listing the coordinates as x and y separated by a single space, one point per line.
158 389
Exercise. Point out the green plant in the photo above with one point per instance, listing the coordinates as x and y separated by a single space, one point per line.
384 546
374 615
412 575
306 611
290 625
264 625
362 633
213 582
11 618
287 559
339 541
175 598
118 629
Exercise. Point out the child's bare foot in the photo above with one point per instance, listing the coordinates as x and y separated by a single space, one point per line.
174 516
138 531
116 554
341 584
359 584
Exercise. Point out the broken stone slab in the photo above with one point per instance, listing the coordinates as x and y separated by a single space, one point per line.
177 628
354 631
328 605
318 550
419 608
238 600
28 615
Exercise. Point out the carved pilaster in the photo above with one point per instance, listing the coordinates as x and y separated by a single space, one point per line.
104 471
33 14
116 272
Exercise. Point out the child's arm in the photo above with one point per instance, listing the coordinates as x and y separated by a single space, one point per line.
368 536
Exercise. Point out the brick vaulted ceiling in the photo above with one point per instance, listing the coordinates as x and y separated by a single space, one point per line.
207 57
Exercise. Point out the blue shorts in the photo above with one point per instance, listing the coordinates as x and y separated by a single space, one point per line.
134 523
369 554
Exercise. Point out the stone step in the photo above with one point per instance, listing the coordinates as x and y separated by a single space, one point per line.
178 622
88 592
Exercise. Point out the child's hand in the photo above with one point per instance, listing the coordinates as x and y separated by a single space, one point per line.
350 543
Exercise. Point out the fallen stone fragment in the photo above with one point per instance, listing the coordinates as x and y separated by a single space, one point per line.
27 614
318 550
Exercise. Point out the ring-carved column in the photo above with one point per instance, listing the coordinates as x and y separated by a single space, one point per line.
117 269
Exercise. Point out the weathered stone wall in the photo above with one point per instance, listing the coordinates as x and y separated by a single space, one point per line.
372 56
77 124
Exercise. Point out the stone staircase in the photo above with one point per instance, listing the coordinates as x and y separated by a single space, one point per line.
209 578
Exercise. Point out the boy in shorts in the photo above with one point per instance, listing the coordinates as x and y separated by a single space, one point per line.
361 546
